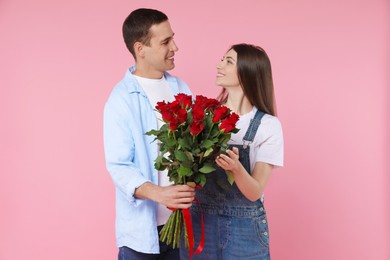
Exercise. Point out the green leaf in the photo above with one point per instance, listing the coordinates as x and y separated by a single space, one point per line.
158 164
225 139
230 178
153 132
215 131
235 131
189 156
210 150
187 164
202 181
224 147
184 171
183 142
181 156
207 144
164 128
207 168
170 142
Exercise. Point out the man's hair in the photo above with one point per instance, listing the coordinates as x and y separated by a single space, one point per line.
136 26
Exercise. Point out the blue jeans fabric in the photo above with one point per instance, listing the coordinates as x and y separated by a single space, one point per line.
235 227
230 233
166 253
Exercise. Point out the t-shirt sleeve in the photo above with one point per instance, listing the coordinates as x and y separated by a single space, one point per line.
270 149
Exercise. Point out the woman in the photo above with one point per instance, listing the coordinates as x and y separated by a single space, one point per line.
234 216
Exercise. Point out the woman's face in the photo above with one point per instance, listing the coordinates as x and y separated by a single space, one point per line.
227 70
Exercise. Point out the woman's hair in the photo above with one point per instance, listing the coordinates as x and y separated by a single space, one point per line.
255 77
136 26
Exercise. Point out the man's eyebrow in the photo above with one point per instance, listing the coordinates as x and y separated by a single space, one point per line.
168 38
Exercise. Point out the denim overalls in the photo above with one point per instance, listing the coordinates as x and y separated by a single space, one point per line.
235 227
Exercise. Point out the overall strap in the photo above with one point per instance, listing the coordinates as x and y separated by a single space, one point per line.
252 129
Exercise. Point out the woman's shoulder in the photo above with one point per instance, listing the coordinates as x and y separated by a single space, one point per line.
270 128
271 121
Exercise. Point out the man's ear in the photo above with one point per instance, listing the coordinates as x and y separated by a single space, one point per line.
139 49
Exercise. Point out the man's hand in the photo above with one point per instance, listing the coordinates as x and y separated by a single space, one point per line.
174 196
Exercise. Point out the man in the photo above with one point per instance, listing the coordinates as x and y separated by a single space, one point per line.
142 193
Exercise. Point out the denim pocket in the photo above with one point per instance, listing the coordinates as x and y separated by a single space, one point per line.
262 230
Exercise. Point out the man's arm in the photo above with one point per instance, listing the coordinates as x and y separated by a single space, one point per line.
119 147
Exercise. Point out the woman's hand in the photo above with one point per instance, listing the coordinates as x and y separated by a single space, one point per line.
229 161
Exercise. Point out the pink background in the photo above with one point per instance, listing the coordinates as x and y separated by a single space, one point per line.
60 59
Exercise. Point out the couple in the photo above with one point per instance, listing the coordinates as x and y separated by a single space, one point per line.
235 228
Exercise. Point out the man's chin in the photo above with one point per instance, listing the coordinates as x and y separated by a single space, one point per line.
171 67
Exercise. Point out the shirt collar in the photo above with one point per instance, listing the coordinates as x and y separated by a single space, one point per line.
134 86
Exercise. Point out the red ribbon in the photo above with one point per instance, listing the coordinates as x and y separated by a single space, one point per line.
188 225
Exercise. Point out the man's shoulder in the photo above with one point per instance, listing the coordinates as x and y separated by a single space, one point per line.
119 90
125 84
119 94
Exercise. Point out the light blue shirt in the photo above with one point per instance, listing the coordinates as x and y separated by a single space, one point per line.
130 156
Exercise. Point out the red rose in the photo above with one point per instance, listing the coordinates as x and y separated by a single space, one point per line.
181 115
173 124
162 106
196 127
174 106
200 102
167 115
212 104
229 123
197 114
184 100
220 113
206 103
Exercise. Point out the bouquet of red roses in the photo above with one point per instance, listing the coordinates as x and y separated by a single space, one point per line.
193 134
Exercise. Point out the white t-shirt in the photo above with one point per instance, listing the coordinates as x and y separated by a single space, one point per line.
158 90
267 145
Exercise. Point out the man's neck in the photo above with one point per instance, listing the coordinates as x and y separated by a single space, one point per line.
148 74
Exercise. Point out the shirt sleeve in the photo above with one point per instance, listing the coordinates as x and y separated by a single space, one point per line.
119 148
270 149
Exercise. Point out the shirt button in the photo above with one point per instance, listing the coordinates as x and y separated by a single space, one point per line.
264 221
261 209
265 233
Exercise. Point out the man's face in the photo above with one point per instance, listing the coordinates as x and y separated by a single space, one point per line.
159 54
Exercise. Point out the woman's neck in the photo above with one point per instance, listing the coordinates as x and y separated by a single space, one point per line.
238 103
